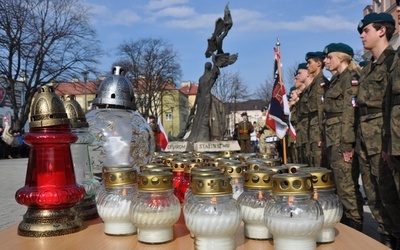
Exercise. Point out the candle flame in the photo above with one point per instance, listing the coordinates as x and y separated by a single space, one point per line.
315 196
260 195
236 181
155 203
51 168
214 200
123 192
291 200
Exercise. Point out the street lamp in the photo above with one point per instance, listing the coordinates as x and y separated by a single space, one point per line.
85 78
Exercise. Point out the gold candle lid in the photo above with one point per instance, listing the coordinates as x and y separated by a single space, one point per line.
158 169
74 112
321 177
192 165
168 161
197 154
298 183
179 166
294 167
243 157
277 169
155 181
225 161
270 162
205 169
47 109
235 171
212 185
254 165
258 179
151 165
227 154
116 177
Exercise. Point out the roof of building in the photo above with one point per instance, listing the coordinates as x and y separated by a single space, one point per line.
76 88
245 105
190 88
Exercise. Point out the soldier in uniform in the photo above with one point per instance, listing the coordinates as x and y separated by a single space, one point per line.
303 80
156 130
376 30
315 93
245 129
293 99
264 132
391 125
339 112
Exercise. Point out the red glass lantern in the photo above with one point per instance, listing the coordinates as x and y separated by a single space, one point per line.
50 189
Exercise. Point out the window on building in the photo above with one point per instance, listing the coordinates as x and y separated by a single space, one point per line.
168 116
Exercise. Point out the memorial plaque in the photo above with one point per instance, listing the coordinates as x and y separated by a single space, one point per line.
216 146
179 146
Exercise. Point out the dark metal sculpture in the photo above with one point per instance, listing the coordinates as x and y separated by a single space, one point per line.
200 128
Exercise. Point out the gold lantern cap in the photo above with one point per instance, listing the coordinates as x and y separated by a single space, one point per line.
155 181
321 177
298 183
151 165
117 177
47 109
74 112
277 169
235 171
258 179
211 185
179 166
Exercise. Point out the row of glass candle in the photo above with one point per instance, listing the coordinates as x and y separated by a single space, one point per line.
253 202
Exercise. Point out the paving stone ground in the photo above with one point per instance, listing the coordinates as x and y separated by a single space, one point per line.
12 177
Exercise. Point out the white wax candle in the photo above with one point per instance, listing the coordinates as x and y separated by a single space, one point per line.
294 233
254 225
116 218
156 226
331 218
212 225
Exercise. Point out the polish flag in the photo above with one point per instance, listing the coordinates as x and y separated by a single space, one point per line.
162 137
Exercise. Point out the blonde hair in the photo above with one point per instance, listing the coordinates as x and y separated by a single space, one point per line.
353 66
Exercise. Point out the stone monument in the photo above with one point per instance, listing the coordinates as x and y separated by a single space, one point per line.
200 113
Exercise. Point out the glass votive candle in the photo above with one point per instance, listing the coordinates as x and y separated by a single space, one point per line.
236 172
292 215
114 200
212 215
257 191
324 193
156 209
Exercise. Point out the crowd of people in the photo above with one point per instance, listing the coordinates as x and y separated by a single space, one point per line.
14 147
350 123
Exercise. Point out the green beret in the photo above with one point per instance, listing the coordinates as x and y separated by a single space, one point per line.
339 47
316 54
292 88
302 66
374 17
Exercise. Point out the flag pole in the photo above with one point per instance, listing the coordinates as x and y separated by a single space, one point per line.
278 44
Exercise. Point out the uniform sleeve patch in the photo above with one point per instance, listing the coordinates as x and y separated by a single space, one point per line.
354 82
322 84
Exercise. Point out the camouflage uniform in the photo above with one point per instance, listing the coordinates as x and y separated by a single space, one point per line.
391 141
245 129
315 94
264 147
293 153
378 181
339 112
302 128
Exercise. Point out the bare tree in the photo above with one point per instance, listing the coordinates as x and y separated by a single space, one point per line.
42 40
153 64
228 89
264 91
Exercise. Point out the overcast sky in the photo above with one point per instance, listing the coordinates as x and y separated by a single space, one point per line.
302 26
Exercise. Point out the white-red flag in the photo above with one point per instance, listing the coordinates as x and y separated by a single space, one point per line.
162 137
